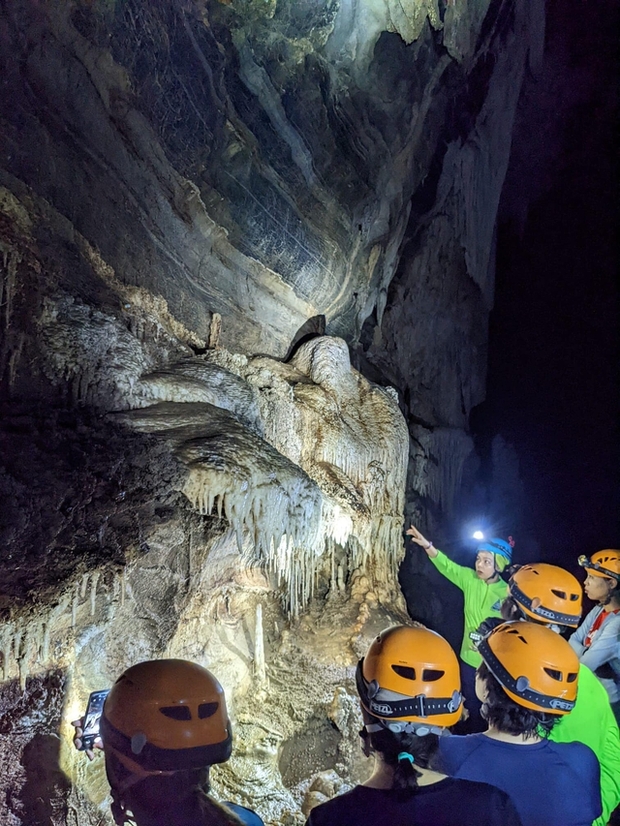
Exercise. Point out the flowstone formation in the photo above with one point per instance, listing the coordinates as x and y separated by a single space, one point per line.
227 230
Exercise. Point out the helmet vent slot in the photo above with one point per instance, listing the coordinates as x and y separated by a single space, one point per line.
516 631
177 712
554 674
404 671
207 710
430 675
560 594
574 597
572 676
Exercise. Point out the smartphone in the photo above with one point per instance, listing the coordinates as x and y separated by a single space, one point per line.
92 718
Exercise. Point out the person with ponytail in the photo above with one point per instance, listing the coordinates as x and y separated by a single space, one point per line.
164 724
483 590
409 689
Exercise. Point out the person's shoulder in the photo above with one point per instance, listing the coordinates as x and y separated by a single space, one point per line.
574 753
613 619
592 614
247 816
477 797
327 812
462 742
455 749
478 788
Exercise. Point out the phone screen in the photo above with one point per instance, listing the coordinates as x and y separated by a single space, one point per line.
92 718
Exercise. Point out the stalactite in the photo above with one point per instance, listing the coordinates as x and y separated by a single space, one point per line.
259 646
351 444
84 585
10 259
94 579
45 641
75 604
6 646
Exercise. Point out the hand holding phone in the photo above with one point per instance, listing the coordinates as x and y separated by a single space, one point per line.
86 736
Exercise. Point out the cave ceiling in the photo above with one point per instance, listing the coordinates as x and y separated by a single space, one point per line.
247 258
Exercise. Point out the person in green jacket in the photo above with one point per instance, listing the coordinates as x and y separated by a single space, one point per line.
549 595
483 590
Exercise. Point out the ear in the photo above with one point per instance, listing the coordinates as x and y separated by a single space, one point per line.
536 603
481 688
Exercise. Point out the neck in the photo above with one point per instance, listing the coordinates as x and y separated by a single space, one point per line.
518 739
383 775
492 579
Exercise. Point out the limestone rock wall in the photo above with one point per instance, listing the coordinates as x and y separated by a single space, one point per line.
238 511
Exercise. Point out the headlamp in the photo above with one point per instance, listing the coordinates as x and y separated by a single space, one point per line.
586 563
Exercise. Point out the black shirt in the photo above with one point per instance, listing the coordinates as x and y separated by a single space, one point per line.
449 802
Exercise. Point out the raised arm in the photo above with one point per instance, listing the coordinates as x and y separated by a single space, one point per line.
421 540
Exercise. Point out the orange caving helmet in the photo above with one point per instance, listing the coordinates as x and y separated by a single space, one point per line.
534 665
547 593
166 716
409 681
602 563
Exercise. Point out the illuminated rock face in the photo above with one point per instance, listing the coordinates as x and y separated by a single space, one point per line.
269 549
206 210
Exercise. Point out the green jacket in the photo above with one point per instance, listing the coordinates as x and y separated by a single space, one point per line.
480 601
592 722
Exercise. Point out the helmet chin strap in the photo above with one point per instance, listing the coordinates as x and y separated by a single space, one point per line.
495 573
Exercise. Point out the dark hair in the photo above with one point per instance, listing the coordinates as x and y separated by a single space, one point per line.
614 594
506 715
179 799
390 744
510 609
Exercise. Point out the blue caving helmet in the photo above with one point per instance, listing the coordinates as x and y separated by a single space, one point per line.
501 550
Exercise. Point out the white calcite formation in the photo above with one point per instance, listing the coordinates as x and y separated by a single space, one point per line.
325 478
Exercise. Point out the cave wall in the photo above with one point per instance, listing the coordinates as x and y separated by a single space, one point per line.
247 266
239 511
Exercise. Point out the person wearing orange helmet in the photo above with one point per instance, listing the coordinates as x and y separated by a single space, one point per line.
597 640
164 724
528 680
409 689
551 596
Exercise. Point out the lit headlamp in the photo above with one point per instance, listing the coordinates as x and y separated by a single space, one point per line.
585 562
